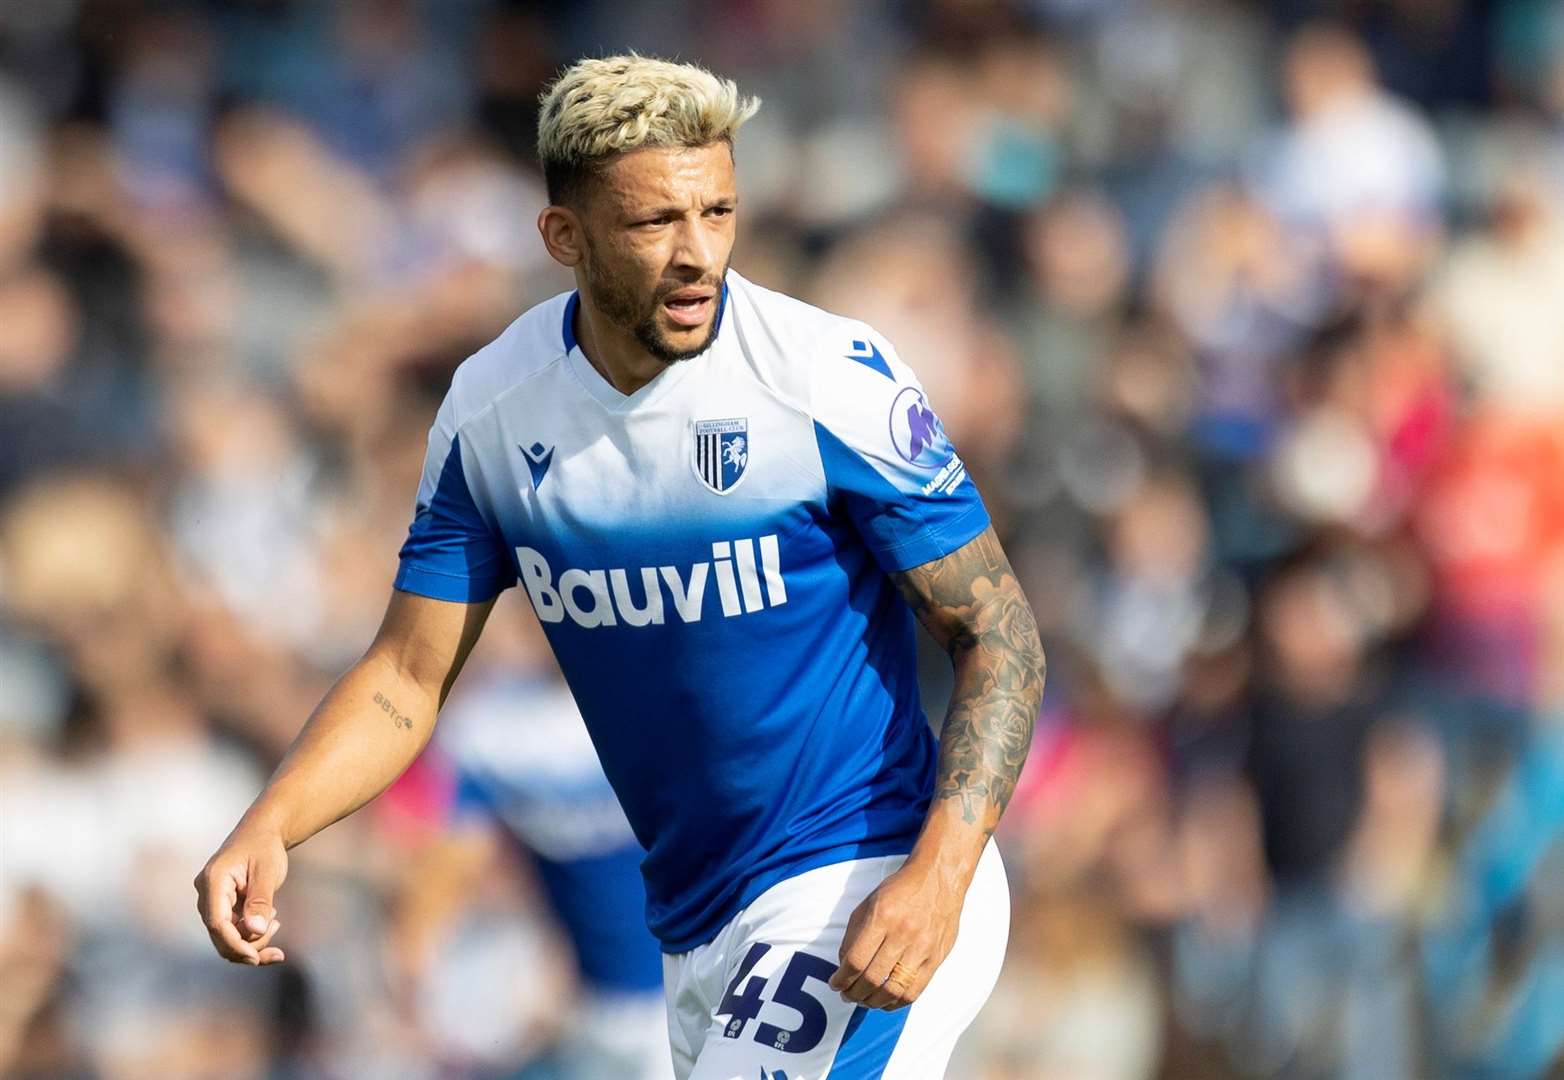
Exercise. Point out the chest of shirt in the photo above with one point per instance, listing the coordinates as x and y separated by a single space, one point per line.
714 456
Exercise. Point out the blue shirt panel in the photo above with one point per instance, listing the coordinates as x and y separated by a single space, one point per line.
902 528
747 750
450 552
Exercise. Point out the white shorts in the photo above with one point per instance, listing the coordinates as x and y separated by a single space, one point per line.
753 1004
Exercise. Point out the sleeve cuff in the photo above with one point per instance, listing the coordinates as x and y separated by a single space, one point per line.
437 586
934 542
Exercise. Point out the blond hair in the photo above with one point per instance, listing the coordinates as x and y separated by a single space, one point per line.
601 107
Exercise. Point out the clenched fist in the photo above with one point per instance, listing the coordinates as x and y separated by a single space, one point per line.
898 936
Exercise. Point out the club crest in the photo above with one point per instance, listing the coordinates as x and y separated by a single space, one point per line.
721 455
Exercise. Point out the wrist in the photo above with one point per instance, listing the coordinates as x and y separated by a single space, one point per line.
264 821
948 850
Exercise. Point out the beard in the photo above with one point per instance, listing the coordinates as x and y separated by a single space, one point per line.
616 298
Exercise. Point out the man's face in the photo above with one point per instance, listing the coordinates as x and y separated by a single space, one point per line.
659 232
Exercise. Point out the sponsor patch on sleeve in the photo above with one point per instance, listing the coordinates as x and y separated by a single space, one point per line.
948 478
917 433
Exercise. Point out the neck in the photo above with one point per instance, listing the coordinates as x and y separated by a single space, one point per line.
617 356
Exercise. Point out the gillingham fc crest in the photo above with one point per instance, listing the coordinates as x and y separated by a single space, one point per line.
721 455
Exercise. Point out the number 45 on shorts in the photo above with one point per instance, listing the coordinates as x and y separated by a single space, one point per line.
792 990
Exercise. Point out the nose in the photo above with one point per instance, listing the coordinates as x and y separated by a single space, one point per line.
696 247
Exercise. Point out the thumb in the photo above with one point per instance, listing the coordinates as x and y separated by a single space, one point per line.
265 876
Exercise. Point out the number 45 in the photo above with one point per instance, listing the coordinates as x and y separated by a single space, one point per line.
743 1006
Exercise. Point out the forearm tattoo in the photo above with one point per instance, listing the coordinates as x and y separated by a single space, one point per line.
400 719
972 604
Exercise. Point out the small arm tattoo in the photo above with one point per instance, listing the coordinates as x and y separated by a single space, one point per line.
972 604
400 719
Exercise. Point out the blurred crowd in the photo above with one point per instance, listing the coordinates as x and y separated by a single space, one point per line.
1247 317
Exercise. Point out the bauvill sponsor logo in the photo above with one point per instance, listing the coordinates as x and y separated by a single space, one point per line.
653 595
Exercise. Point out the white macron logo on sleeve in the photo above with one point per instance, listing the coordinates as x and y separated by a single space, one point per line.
593 598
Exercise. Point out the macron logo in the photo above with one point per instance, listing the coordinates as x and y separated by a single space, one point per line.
652 595
867 354
539 458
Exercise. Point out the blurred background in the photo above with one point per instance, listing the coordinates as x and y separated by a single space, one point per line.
1248 318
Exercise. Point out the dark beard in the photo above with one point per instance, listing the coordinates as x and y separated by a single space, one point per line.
618 304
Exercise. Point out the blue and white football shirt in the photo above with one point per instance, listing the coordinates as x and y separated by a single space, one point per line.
708 557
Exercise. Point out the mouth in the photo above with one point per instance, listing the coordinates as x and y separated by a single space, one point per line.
690 307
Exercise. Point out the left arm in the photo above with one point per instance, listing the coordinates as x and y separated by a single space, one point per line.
973 606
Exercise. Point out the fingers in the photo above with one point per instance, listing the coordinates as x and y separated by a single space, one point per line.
230 946
875 968
860 944
265 951
902 986
264 877
886 962
216 895
873 978
895 977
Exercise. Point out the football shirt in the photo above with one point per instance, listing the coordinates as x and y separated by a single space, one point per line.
708 558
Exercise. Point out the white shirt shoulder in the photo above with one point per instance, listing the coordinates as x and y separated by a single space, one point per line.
527 347
815 360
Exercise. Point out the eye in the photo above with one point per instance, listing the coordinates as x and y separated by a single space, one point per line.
720 211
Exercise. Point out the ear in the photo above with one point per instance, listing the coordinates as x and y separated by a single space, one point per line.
563 235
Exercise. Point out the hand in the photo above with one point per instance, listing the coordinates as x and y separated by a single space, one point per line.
248 869
897 937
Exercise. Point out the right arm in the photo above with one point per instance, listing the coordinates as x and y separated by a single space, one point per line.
366 731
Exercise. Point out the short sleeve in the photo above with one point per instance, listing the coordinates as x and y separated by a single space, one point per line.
451 553
887 459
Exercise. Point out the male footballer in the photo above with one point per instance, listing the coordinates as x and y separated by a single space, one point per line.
721 502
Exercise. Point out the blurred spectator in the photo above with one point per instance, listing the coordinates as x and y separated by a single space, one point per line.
1498 290
1357 174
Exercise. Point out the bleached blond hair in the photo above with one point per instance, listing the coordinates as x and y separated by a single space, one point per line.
601 107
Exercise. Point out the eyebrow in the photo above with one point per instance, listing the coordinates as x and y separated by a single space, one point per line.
660 211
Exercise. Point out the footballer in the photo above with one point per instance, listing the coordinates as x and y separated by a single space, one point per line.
725 506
